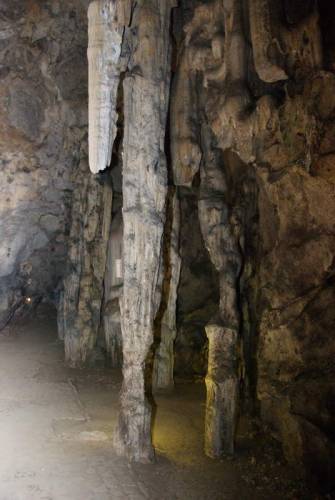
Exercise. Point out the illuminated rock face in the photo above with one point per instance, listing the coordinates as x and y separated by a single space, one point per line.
222 386
106 23
263 108
250 136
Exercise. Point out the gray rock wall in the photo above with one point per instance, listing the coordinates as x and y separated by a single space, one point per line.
43 122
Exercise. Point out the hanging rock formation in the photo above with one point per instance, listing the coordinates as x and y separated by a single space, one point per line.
82 300
106 25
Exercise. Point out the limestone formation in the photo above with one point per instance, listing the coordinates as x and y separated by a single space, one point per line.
107 21
226 215
222 391
83 284
42 131
163 365
280 133
221 235
113 292
185 151
265 44
146 98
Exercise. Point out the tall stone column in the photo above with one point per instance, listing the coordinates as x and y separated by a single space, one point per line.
146 96
221 239
162 376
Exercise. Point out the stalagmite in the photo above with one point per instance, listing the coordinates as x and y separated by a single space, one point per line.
162 377
221 241
222 390
146 96
107 21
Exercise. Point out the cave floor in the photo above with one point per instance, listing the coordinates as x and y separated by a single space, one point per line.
56 426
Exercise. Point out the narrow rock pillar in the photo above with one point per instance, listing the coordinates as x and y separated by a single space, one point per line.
162 377
146 97
80 310
221 239
222 390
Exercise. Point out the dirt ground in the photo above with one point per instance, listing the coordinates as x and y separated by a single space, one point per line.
56 427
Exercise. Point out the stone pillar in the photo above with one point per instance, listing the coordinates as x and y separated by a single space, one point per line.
162 377
80 311
222 390
221 240
146 98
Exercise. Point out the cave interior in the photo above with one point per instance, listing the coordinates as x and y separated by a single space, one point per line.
167 249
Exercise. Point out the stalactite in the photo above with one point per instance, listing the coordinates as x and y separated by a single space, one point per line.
162 377
146 96
107 21
80 311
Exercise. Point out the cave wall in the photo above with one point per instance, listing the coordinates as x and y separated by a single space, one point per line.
43 129
251 148
260 76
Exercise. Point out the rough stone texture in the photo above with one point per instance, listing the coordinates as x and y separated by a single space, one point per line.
146 97
82 298
107 21
87 306
42 123
281 133
252 149
221 233
113 292
198 291
166 327
222 386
